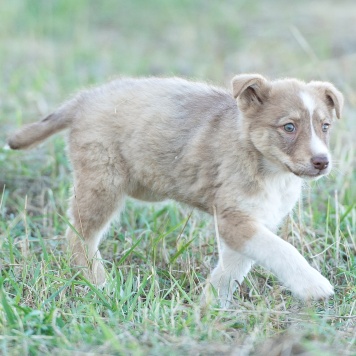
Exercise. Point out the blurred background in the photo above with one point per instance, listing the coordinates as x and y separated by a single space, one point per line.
50 48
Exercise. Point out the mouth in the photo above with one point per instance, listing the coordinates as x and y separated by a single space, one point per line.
308 173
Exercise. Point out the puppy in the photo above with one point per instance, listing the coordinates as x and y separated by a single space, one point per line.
241 155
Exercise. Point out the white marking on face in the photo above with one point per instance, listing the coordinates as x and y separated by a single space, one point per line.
308 102
318 147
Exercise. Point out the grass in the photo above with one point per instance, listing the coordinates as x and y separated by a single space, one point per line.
159 255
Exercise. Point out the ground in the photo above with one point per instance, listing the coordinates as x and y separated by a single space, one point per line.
159 255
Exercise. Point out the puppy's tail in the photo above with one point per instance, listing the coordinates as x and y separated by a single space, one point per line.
31 135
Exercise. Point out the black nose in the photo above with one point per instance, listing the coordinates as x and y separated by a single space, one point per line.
320 162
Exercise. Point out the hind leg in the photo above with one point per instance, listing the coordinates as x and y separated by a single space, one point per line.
93 206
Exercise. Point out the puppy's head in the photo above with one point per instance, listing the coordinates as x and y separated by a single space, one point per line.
289 121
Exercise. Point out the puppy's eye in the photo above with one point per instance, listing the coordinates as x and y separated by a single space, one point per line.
325 127
289 127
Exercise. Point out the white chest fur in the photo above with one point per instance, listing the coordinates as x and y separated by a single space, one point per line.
274 201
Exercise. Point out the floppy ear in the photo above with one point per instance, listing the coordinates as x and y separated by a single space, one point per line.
332 97
250 88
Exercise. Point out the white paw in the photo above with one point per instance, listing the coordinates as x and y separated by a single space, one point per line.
98 275
214 294
311 285
92 270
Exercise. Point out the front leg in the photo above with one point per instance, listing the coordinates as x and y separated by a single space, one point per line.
229 273
253 240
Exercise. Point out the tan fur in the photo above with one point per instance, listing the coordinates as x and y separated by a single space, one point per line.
154 139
